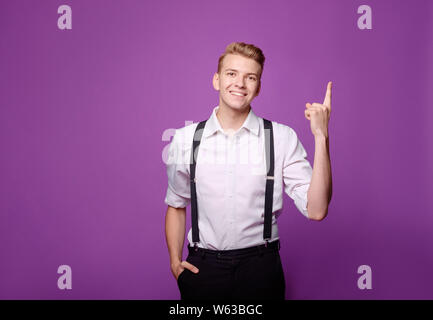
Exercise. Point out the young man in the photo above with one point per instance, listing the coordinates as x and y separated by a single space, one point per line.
233 169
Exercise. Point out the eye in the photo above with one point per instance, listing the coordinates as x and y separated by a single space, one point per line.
253 78
230 73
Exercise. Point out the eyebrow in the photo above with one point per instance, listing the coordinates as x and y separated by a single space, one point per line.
238 71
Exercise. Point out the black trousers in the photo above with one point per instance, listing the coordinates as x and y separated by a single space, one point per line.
242 274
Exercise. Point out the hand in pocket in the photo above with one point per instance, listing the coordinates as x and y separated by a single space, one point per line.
179 268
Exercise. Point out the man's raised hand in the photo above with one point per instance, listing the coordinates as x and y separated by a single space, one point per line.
319 114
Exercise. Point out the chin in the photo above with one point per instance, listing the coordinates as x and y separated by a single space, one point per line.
238 108
235 106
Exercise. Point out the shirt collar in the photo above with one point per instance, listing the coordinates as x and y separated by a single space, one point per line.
212 125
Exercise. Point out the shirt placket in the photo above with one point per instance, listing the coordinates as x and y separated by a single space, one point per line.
231 188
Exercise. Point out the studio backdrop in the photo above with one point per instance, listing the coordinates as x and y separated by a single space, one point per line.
91 93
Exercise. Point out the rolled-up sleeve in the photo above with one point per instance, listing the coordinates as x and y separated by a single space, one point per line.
297 172
178 190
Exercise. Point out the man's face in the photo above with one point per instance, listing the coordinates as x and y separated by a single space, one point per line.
238 81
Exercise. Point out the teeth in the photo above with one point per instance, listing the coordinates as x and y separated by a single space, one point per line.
238 94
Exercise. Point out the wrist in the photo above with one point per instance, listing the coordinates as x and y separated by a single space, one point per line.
175 262
321 136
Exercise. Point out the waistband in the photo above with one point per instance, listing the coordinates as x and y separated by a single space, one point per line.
232 253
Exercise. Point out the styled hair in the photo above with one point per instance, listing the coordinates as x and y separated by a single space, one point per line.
245 50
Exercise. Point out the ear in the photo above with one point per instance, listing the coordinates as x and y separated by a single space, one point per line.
215 81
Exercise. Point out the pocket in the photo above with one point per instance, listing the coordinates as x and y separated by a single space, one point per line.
181 274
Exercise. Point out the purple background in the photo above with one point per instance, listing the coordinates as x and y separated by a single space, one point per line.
83 112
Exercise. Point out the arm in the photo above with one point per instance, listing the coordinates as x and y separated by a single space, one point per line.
177 199
175 236
320 190
175 233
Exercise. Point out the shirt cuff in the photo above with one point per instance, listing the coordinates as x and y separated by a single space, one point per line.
301 204
174 200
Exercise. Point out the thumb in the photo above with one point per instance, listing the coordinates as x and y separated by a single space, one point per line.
190 267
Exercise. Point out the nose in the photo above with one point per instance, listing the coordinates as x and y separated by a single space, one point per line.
240 82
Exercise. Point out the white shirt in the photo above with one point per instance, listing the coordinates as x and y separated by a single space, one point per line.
231 180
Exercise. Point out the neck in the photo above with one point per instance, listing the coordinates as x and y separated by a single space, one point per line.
231 120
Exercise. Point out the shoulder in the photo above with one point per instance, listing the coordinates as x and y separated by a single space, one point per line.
283 131
285 138
183 136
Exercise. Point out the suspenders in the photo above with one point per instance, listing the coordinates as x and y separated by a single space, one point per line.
269 192
194 214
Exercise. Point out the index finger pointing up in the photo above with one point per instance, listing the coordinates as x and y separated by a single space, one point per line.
327 101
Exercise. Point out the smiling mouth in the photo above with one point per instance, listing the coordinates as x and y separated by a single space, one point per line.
238 94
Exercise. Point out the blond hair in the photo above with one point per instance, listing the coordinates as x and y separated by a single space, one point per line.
245 50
